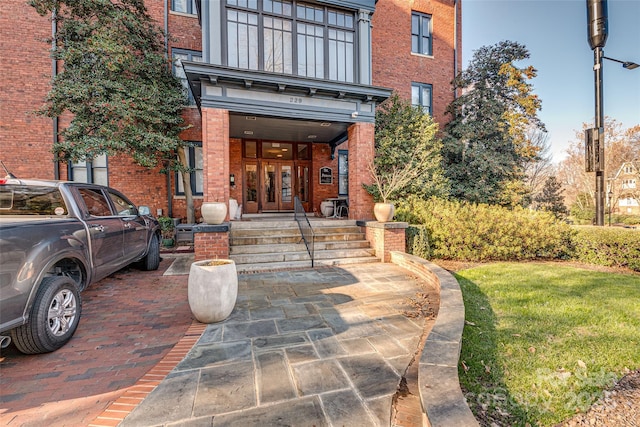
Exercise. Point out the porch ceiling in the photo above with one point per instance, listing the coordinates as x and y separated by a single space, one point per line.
279 129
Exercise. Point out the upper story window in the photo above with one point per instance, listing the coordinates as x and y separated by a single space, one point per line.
421 34
180 55
421 96
291 37
184 6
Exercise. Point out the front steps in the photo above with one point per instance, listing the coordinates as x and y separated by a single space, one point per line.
260 245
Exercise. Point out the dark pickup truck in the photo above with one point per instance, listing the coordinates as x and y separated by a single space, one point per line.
56 238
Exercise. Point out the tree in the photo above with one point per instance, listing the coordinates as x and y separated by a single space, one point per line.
536 170
486 144
550 198
407 153
117 84
621 145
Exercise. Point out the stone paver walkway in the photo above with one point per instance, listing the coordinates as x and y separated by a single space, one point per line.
316 347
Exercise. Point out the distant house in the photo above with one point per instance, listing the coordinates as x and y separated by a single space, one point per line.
624 189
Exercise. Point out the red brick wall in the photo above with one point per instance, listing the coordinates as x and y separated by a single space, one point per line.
235 168
321 157
25 139
394 65
211 246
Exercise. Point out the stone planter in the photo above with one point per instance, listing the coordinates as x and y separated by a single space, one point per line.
213 212
326 208
212 289
383 212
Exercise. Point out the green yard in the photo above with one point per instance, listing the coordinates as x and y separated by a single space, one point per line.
543 340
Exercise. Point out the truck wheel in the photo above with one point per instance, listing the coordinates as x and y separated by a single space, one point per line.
54 317
152 260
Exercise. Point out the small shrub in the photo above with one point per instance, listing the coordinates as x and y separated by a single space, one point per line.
608 246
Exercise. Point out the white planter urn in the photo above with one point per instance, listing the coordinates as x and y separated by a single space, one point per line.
212 289
383 212
213 212
326 208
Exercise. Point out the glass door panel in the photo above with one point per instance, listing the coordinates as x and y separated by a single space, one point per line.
251 188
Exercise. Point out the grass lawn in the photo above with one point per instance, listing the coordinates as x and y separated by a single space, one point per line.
543 341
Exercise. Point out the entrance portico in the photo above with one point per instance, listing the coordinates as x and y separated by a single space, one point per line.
266 139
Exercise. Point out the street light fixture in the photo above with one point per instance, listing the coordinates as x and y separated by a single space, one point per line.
625 64
597 23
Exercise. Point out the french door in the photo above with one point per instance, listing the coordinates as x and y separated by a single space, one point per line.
277 186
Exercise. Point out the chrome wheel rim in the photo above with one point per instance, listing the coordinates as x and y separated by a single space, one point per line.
62 312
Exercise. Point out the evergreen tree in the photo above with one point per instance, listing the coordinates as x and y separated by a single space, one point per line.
407 153
551 199
486 145
117 84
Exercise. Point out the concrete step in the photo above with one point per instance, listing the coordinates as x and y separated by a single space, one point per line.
260 258
291 247
250 268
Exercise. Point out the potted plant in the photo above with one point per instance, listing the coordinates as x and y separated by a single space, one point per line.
212 289
213 212
167 230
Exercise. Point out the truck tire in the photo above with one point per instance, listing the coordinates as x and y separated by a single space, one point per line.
54 317
152 260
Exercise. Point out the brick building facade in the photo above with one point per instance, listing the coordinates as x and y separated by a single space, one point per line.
321 108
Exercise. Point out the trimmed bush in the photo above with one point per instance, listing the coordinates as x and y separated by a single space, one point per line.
608 246
479 232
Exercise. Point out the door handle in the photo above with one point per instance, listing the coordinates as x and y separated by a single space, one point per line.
127 225
98 228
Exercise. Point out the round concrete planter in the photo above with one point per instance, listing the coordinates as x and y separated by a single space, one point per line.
326 208
383 212
213 212
212 289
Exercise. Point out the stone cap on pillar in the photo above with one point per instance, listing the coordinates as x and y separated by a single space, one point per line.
383 225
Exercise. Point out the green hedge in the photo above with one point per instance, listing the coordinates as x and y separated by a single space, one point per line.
470 232
608 246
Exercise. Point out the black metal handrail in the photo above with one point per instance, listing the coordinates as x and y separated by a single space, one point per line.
304 225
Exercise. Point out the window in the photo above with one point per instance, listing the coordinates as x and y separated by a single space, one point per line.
421 96
194 158
90 171
343 172
421 34
95 202
296 38
180 55
184 6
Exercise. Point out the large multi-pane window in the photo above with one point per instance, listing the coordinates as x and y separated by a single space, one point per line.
90 171
184 6
421 34
421 96
180 55
194 158
291 37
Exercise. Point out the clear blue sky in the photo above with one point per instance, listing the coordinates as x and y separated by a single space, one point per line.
555 33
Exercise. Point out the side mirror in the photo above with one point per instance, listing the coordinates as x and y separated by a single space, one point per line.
144 210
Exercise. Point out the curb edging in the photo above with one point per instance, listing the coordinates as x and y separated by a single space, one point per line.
442 400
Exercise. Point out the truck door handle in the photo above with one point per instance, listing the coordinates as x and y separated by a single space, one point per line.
98 227
127 225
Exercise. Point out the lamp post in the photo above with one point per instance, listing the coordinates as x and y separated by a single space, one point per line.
597 24
610 194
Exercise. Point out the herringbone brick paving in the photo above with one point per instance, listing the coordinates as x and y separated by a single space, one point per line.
129 322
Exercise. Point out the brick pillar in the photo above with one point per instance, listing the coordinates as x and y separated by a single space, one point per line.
361 151
215 155
385 237
212 241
